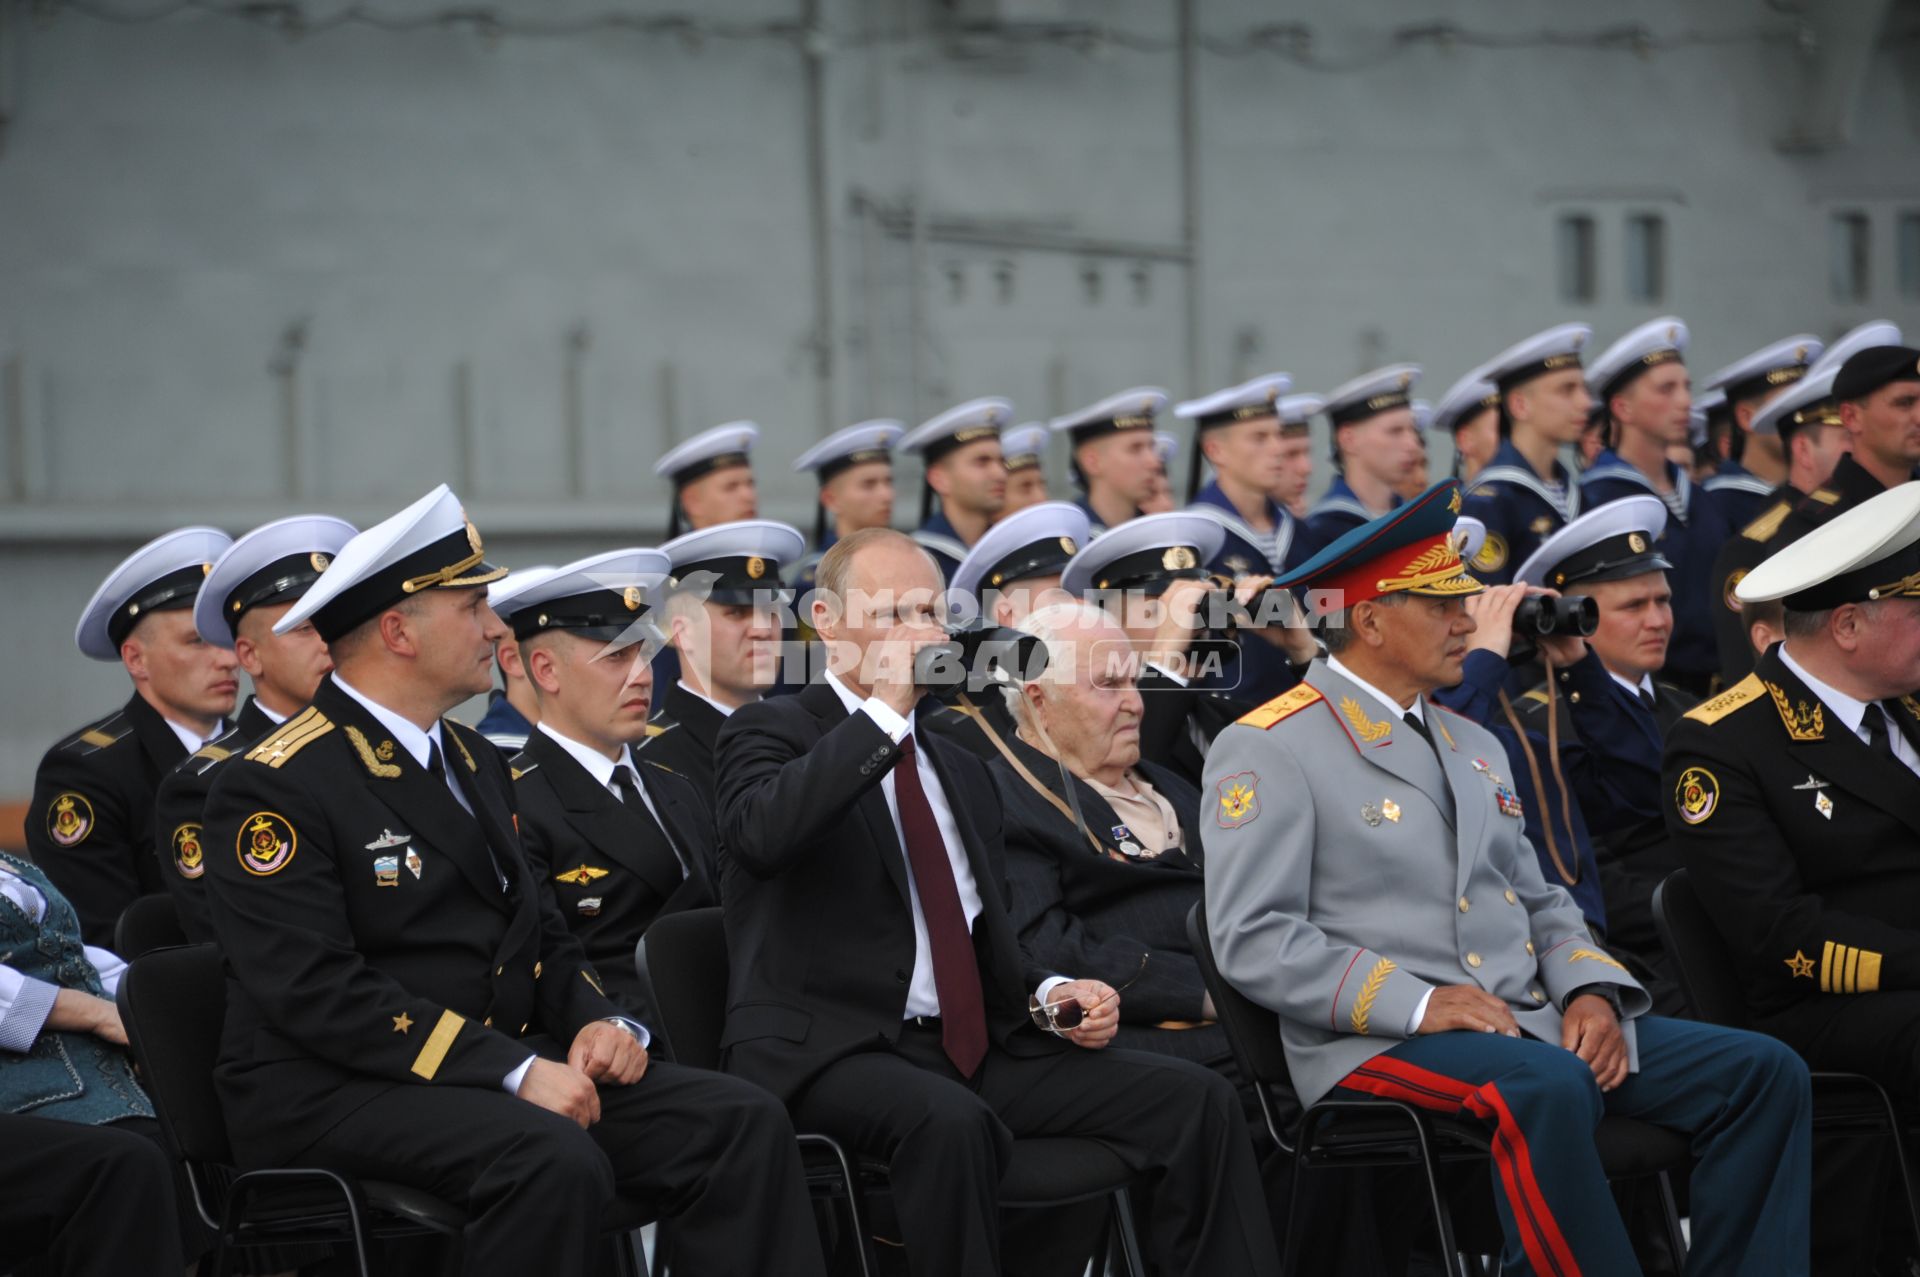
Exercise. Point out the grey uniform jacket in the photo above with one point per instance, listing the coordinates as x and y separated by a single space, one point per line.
1347 876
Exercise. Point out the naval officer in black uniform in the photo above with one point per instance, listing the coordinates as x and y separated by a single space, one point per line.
1793 798
620 840
90 825
405 1001
251 586
724 615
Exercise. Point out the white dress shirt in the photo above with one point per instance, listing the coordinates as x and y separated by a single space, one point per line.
726 711
1644 685
922 997
1419 710
25 1003
1853 712
190 738
603 770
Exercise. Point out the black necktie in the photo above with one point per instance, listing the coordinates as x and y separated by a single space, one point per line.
1646 698
1879 735
1419 725
628 787
437 768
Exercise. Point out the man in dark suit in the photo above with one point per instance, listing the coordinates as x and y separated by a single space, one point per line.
620 841
406 1002
1104 877
90 825
251 586
724 620
878 986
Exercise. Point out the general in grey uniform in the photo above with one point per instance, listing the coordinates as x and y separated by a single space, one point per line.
1367 879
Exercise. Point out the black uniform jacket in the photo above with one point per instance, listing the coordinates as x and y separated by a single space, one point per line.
815 888
680 736
91 823
1098 911
1803 843
179 815
612 869
368 941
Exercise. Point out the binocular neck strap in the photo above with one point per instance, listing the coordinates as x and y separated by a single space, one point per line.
1071 807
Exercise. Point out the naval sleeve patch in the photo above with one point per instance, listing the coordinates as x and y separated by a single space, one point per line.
266 843
69 819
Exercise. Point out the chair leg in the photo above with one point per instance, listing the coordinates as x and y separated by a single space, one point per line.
1437 1199
1129 1236
1670 1212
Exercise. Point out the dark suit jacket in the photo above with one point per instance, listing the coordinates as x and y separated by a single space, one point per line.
609 866
687 728
179 815
348 974
1096 913
814 885
1172 716
90 827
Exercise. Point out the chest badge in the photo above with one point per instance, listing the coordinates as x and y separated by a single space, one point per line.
589 906
413 863
1507 801
388 839
1811 782
1371 814
1823 805
1391 810
386 871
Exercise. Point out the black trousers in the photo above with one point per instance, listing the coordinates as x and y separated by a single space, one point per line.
947 1140
89 1201
1859 1215
714 1154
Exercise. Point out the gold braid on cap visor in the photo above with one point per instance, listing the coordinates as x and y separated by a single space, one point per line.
1907 587
1436 570
450 575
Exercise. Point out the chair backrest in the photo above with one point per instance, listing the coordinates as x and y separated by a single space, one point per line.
173 1003
1253 1032
684 956
151 922
1708 974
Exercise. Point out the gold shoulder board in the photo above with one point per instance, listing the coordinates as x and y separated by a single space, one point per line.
293 736
1768 523
1282 706
1733 698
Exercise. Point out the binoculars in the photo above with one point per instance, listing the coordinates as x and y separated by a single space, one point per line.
1541 616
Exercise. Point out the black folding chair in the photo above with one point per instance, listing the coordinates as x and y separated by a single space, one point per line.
172 1002
151 922
1361 1133
684 956
1709 976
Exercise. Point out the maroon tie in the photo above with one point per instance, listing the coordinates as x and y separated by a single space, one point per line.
956 968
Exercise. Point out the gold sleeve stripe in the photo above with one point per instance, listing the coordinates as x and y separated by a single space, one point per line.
438 1043
588 977
1846 969
1369 992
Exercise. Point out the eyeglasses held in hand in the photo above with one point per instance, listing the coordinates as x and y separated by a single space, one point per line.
1068 1014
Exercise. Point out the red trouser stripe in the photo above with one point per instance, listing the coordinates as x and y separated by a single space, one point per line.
1540 1234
